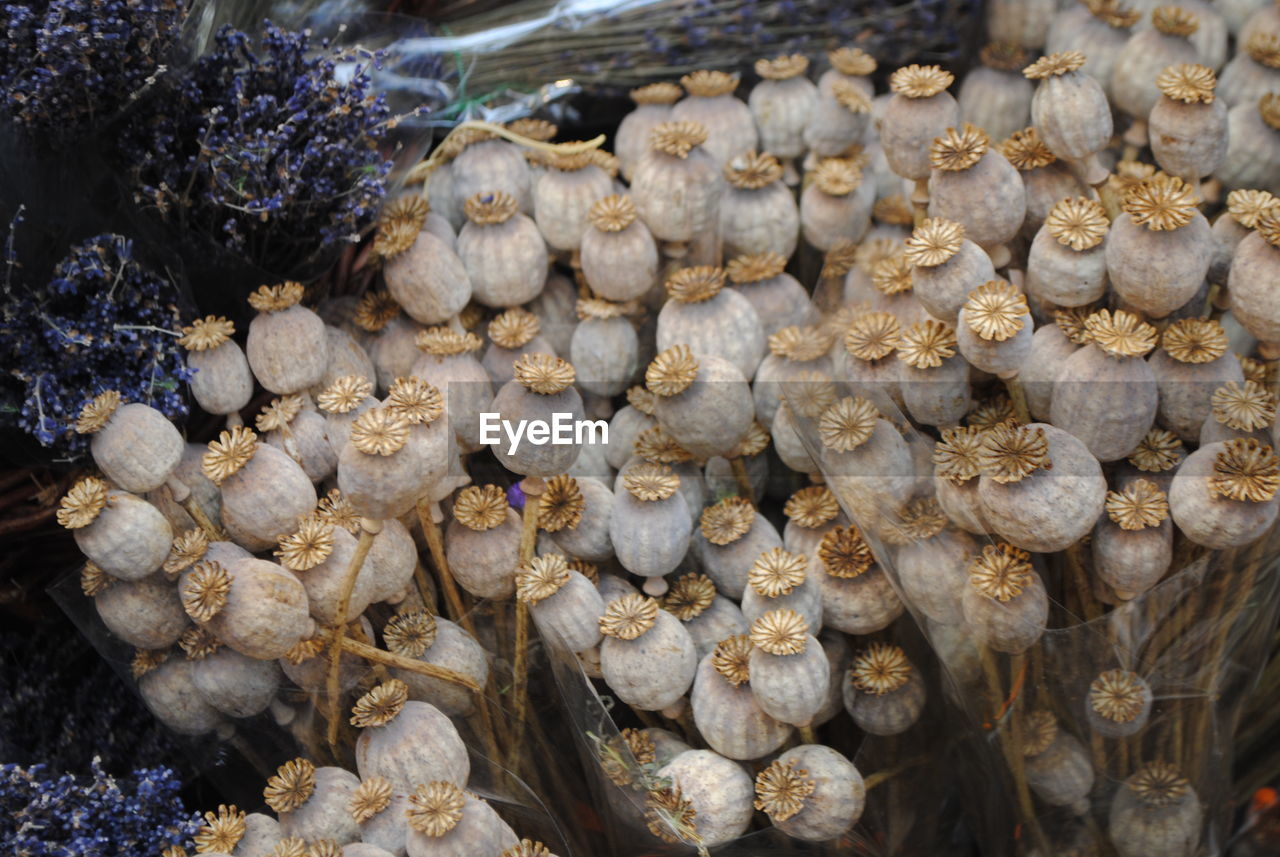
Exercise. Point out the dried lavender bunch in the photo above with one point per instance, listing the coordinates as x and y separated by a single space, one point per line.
103 322
66 66
96 816
268 151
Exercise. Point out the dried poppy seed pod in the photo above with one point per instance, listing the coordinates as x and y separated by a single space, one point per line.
1118 703
857 596
606 342
145 613
1058 767
955 479
795 350
946 267
1050 346
780 580
1005 604
166 690
304 667
934 377
542 389
419 635
563 197
1105 394
445 821
836 205
347 357
1156 458
264 491
561 600
486 163
1188 125
482 542
503 251
920 110
1240 410
1253 145
996 97
380 812
1040 488
869 464
852 65
704 402
222 383
966 169
731 535
720 323
864 358
811 793
422 269
677 186
300 433
932 561
994 328
647 657
1193 360
758 213
254 606
287 348
1252 72
1066 264
618 255
724 709
1244 209
1099 30
512 334
1046 179
379 473
123 535
1156 811
710 102
1224 494
576 512
884 693
780 104
1070 112
788 668
840 120
311 802
1133 544
714 794
134 445
447 359
777 297
406 741
651 525
708 616
653 107
320 554
1133 80
1257 258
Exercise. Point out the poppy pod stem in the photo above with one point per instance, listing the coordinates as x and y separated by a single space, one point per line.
368 529
371 653
1018 398
182 494
807 735
533 487
740 475
234 419
920 201
435 547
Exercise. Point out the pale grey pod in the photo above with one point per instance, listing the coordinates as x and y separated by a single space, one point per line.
556 309
791 688
879 381
666 745
826 219
833 127
455 649
999 357
1213 432
957 651
1253 151
678 198
1108 403
590 540
572 614
653 670
287 349
383 486
650 538
909 126
443 194
839 656
236 685
1139 828
364 849
1048 510
781 109
389 829
1062 773
1132 561
261 834
394 351
1072 115
490 165
620 266
167 692
693 487
467 390
1253 304
346 357
307 442
729 718
943 289
389 566
727 565
806 598
788 444
631 140
561 200
138 448
1011 626
514 402
886 714
838 798
627 424
222 383
859 605
1244 80
962 504
937 396
1205 516
1227 235
722 619
1188 140
264 499
711 416
338 426
507 261
996 100
1253 16
1158 272
1076 28
324 814
429 279
146 613
1133 80
484 562
129 539
779 302
420 745
776 373
1046 187
731 129
1186 390
720 791
934 573
265 614
1050 347
480 831
190 472
312 674
994 181
1022 23
875 478
1059 275
726 327
608 351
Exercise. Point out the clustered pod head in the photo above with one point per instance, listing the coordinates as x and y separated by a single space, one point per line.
1264 48
1174 21
1244 407
1246 470
671 372
847 424
1003 56
481 507
187 549
780 632
612 213
959 148
435 808
399 224
292 785
934 242
695 285
677 139
811 507
381 705
880 669
1119 696
731 658
728 520
447 342
278 413
794 343
227 455
1041 730
308 546
621 755
919 520
837 176
690 596
97 412
375 311
1195 340
514 328
1188 83
657 446
1026 151
1120 333
1159 450
221 831
752 170
541 577
892 275
1137 506
650 483
345 394
205 590
1055 65
781 789
410 633
920 81
844 553
1078 223
996 311
380 432
1158 784
1269 110
1001 572
927 344
370 798
777 572
491 208
1009 452
706 83
1113 14
656 93
543 374
784 67
81 505
629 617
957 455
1161 203
872 335
415 401
277 298
562 504
206 334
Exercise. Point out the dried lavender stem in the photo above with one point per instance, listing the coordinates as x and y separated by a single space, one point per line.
368 529
435 546
532 487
